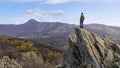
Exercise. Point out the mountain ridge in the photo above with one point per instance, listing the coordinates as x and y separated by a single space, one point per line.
54 32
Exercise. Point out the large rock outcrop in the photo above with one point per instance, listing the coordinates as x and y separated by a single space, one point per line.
87 50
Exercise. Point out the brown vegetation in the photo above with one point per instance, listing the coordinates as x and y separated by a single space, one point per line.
29 54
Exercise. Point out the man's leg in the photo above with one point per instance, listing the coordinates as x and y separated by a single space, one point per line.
80 24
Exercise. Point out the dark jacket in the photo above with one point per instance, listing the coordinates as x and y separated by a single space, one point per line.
82 18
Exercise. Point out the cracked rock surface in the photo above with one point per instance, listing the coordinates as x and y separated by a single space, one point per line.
6 62
87 50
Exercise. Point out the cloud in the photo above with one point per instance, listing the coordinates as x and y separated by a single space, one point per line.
57 12
80 1
43 15
57 1
40 15
29 11
43 12
24 0
62 1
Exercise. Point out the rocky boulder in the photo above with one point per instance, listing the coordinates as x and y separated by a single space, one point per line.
6 62
87 50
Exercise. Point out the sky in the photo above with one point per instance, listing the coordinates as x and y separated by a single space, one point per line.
67 11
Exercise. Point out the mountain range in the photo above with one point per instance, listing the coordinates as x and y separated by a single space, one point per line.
54 33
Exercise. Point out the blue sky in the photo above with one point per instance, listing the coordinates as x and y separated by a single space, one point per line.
67 11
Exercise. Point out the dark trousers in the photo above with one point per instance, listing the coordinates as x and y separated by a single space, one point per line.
81 24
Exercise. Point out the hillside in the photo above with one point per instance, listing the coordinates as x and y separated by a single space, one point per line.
112 32
30 54
54 33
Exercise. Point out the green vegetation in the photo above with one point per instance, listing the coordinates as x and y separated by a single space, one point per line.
29 54
65 47
19 46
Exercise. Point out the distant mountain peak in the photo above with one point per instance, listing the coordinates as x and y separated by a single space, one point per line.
31 21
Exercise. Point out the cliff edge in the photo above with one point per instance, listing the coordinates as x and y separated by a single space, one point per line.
87 50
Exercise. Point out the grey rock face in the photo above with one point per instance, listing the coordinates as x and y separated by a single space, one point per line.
87 50
6 62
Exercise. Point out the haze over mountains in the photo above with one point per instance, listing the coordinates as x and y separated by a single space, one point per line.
54 33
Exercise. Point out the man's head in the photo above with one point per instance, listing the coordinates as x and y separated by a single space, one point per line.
81 13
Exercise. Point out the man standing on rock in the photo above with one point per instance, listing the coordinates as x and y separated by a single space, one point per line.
81 20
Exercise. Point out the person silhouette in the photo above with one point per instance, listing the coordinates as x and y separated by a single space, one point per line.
81 20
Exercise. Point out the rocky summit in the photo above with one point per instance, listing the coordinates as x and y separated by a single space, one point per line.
87 50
